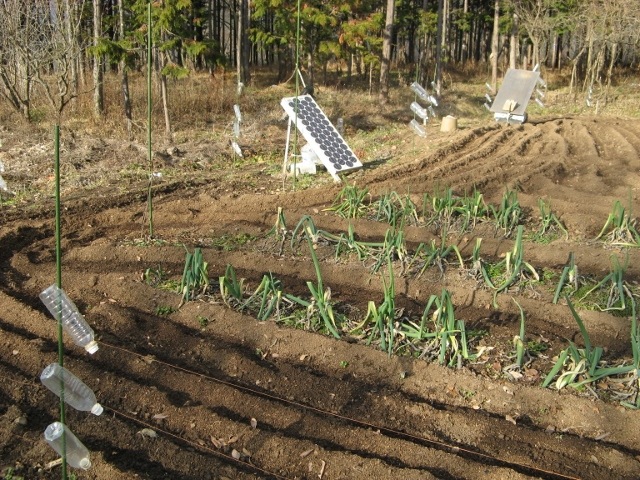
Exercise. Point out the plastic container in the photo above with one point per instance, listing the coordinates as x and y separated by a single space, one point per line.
76 393
73 323
68 445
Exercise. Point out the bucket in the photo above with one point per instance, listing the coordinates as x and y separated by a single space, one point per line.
449 124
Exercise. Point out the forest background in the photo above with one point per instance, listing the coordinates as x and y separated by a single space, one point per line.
54 53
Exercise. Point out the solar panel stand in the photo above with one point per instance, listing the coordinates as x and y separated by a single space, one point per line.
510 103
321 136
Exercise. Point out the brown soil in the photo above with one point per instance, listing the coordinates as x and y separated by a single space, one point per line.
292 403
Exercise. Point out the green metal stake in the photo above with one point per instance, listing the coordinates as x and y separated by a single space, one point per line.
56 135
149 153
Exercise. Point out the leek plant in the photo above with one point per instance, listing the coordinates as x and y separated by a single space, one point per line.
470 210
568 277
618 293
395 210
443 209
383 316
550 224
231 289
393 247
620 228
266 299
195 276
579 367
634 382
448 340
434 254
350 202
520 346
321 296
509 213
510 270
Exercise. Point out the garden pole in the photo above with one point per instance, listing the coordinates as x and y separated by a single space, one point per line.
56 143
149 152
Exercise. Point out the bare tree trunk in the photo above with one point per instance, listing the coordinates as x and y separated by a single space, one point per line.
439 36
613 57
165 100
242 44
513 42
494 47
386 52
98 84
126 97
69 19
466 35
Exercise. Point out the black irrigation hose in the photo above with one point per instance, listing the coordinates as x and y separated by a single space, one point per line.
527 469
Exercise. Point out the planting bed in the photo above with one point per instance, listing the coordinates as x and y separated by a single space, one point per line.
206 391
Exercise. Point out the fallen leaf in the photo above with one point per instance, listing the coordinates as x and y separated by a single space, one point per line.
507 390
246 452
160 416
509 418
304 357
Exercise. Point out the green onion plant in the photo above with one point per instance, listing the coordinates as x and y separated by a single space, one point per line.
550 225
195 276
569 277
508 214
350 202
620 228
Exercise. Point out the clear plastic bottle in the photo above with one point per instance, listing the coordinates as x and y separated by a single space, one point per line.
68 444
73 323
76 393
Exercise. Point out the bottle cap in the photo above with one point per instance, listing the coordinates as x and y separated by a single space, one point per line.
91 347
97 409
84 463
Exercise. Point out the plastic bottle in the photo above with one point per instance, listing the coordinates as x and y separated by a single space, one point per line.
73 323
76 453
76 393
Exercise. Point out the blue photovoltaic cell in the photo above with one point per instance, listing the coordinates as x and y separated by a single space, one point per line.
318 131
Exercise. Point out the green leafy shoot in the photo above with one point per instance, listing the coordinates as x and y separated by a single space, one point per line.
470 210
195 277
395 210
321 297
436 254
615 290
635 348
448 340
510 270
550 225
620 228
509 213
382 317
443 209
579 367
350 202
231 289
569 277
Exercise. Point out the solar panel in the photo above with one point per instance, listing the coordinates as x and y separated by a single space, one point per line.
515 92
320 134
